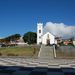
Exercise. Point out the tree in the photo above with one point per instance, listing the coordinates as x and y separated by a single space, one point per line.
16 36
30 37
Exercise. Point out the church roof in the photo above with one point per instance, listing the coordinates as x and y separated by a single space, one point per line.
48 33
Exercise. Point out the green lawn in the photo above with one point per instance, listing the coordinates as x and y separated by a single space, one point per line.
19 51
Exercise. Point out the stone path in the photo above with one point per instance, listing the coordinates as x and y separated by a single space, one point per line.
22 66
46 52
53 63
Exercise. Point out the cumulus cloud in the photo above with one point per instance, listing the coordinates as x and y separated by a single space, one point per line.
60 29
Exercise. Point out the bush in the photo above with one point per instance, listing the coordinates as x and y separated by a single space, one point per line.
0 54
11 54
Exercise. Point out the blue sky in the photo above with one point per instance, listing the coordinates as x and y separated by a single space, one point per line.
20 16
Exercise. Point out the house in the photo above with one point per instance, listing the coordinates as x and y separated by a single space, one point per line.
59 40
21 42
47 38
68 41
74 42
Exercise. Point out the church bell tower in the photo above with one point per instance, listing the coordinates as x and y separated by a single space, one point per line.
39 32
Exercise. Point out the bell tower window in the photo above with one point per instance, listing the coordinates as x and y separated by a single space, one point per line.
39 31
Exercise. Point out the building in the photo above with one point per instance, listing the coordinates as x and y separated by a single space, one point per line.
74 41
21 42
46 38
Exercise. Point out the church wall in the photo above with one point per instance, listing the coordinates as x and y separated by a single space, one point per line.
44 38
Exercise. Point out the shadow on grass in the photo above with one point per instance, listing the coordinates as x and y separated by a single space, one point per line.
19 70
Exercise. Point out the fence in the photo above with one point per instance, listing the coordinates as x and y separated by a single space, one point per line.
65 52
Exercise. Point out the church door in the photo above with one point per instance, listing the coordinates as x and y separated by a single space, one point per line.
48 41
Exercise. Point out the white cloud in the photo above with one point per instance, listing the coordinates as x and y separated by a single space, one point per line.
60 29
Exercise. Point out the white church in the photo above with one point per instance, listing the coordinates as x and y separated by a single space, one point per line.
46 38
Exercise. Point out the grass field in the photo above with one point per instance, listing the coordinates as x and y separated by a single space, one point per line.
19 51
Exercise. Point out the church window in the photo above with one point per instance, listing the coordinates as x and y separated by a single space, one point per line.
48 36
39 36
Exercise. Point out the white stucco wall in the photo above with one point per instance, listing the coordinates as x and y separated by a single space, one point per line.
55 41
44 38
74 42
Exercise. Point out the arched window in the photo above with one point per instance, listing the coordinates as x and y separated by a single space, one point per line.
39 31
48 36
